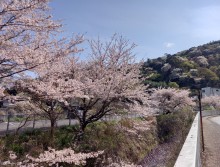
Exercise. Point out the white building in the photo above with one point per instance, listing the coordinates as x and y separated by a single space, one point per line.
208 91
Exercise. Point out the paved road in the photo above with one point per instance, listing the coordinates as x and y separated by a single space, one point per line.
215 119
46 123
38 124
211 155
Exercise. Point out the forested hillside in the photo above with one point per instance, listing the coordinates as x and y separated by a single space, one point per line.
195 67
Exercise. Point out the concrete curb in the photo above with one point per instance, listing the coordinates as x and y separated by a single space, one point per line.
189 155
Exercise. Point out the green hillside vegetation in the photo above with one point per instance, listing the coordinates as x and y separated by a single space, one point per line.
197 66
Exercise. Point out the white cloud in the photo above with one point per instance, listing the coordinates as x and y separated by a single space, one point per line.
169 44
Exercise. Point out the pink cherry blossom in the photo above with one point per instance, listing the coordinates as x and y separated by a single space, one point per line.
170 100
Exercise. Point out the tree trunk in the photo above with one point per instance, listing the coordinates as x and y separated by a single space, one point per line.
80 134
52 128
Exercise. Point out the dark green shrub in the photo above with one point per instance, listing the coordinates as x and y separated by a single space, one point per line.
166 126
64 140
173 85
9 140
23 137
18 149
174 124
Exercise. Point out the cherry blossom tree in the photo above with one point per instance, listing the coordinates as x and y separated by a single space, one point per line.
52 87
111 80
211 101
27 35
170 100
24 27
53 157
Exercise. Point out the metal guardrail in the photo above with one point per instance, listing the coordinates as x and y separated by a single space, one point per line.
189 155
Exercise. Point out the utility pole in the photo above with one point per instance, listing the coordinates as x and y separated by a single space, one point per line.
200 113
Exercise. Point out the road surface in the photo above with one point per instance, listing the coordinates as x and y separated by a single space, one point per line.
211 155
29 125
13 126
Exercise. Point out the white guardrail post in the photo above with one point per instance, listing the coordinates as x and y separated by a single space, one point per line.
189 155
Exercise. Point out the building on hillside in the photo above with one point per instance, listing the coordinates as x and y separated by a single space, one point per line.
209 91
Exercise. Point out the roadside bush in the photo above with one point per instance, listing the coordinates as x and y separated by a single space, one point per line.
170 126
64 137
126 140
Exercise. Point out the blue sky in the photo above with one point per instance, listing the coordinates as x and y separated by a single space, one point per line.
156 26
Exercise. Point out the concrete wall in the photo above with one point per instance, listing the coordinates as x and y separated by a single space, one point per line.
208 91
190 153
